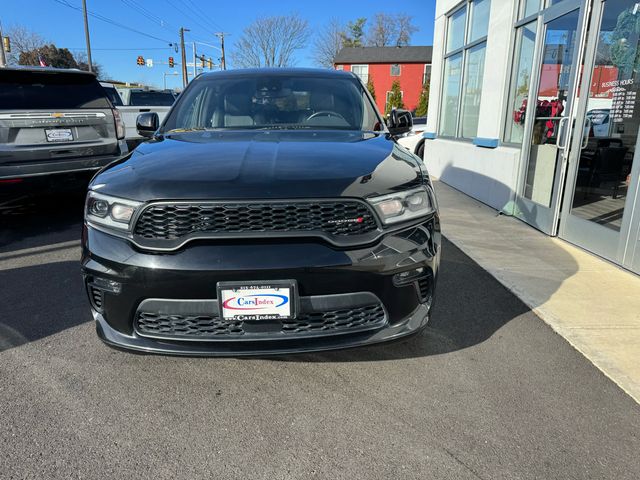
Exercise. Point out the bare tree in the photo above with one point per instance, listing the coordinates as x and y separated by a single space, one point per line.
22 40
383 30
405 29
83 64
390 30
328 43
271 42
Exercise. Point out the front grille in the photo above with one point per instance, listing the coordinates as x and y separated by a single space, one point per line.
336 320
336 218
183 326
190 326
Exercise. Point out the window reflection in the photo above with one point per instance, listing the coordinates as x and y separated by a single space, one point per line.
613 117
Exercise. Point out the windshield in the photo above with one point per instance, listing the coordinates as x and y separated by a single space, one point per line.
152 99
272 102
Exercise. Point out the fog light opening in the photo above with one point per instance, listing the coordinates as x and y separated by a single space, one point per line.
407 276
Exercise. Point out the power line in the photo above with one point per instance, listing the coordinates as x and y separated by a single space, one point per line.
207 29
196 9
112 22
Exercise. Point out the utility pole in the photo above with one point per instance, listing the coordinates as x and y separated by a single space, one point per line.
86 34
223 61
195 71
3 56
185 78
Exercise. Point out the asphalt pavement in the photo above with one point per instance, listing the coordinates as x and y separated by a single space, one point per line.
488 391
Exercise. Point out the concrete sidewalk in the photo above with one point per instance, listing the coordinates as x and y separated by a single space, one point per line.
593 304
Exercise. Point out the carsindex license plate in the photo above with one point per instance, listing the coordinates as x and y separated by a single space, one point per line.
59 135
264 301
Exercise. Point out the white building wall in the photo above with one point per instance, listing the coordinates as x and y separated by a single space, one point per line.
488 174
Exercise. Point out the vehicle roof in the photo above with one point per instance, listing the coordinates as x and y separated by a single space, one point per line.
251 72
52 70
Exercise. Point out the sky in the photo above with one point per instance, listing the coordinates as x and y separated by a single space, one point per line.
157 24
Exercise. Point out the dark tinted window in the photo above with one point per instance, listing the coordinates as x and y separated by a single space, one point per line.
113 95
48 90
154 99
285 101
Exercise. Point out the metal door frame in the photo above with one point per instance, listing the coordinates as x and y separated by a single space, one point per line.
539 216
613 245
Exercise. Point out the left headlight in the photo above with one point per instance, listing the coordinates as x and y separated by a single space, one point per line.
403 206
111 212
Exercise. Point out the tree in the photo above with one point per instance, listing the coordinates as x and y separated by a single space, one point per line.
328 44
383 31
405 29
22 40
371 87
271 42
423 101
52 55
395 99
354 35
83 64
391 30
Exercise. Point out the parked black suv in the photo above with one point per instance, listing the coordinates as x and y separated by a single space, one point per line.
54 121
271 212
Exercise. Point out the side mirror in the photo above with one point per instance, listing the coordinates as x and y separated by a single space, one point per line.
400 121
147 123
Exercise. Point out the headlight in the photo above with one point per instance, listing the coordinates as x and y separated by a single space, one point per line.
403 206
111 212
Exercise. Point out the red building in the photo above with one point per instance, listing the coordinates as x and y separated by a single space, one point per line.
411 66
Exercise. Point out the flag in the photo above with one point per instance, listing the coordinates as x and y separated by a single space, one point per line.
42 62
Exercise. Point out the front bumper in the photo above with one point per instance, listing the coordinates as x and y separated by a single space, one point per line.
125 280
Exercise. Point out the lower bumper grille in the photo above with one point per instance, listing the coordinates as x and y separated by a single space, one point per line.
175 326
325 315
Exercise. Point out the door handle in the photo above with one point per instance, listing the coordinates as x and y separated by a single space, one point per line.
585 135
561 124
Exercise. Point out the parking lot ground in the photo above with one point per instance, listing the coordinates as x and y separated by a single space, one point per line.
487 391
593 304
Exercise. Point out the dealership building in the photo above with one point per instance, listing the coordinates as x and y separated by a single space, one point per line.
533 110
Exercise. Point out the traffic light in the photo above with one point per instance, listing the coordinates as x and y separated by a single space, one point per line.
140 60
6 42
171 62
202 61
210 62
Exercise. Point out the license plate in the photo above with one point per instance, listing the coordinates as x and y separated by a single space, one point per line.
59 135
274 300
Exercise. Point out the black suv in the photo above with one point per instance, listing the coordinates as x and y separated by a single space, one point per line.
54 121
271 212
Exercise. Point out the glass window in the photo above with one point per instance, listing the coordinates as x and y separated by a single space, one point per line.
520 81
479 20
361 71
395 70
472 90
451 95
460 118
28 90
273 101
427 75
154 99
529 7
455 35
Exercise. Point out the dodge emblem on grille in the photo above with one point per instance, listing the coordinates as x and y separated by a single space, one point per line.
347 220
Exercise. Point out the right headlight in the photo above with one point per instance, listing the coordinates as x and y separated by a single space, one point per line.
403 206
111 212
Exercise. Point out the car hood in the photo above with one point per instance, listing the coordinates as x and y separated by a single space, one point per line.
261 164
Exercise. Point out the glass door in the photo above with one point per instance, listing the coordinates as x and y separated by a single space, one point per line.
547 125
602 175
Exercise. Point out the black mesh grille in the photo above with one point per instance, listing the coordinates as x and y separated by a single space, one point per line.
339 218
176 326
95 295
346 319
424 286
